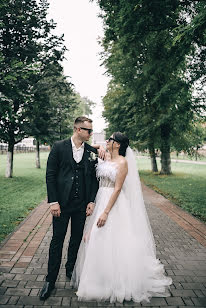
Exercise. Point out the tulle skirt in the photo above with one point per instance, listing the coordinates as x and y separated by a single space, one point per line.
112 262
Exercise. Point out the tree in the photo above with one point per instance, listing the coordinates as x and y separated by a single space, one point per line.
84 105
141 57
192 140
26 45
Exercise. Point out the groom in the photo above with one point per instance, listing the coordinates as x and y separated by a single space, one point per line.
71 189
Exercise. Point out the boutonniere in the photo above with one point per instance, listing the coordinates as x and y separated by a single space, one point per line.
92 156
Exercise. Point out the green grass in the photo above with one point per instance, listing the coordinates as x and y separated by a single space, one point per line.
186 187
22 193
200 158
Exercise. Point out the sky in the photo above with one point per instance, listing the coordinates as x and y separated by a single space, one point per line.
79 22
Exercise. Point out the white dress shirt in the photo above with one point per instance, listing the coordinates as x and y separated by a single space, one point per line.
77 152
77 155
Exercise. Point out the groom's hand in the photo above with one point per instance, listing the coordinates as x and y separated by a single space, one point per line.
55 209
90 208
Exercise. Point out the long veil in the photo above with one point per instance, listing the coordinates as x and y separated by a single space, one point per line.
139 218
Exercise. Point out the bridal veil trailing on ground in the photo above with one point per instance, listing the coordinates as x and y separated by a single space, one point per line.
118 262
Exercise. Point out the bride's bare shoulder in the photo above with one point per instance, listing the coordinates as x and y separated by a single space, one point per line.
122 162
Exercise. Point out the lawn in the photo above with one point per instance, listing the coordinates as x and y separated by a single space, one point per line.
186 187
22 193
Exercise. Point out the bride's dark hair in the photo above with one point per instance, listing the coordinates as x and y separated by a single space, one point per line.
123 140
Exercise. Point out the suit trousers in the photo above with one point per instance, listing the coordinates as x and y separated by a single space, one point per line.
60 225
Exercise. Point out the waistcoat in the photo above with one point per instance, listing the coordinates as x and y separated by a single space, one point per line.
78 191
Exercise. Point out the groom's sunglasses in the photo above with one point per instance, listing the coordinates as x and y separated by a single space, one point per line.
88 129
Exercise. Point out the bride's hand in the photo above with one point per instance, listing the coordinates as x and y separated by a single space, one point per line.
102 219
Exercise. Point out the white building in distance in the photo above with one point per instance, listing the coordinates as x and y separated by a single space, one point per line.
99 138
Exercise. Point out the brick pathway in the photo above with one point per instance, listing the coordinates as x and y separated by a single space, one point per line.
180 240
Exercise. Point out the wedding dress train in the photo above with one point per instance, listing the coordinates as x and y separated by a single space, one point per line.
118 261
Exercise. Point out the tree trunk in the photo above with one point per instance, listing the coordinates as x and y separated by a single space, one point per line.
196 152
37 155
9 164
165 150
153 158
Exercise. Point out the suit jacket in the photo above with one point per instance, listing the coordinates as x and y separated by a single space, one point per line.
60 173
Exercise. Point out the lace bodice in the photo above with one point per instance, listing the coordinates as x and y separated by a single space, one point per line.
106 172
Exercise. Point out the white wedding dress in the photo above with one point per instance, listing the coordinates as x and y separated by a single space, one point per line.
118 261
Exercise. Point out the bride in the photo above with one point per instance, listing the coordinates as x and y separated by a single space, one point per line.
117 258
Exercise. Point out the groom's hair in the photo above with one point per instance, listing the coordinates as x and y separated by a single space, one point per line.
81 120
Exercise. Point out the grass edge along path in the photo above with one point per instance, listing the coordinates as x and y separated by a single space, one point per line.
189 223
18 249
186 187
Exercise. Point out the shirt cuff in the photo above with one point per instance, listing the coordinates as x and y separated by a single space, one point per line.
53 203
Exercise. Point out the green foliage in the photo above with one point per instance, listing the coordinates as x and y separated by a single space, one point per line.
191 140
83 105
27 46
54 103
149 97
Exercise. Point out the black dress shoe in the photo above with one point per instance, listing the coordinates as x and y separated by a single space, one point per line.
69 274
46 290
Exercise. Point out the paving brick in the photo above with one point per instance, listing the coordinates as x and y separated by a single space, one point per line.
170 306
28 270
199 293
199 279
39 271
25 277
64 292
183 293
178 279
4 299
61 285
177 285
54 301
34 284
1 280
21 264
184 273
193 286
131 304
11 306
187 301
66 301
13 300
10 283
199 301
34 292
40 278
17 270
17 292
187 307
75 302
22 284
29 300
42 306
174 301
8 276
108 304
